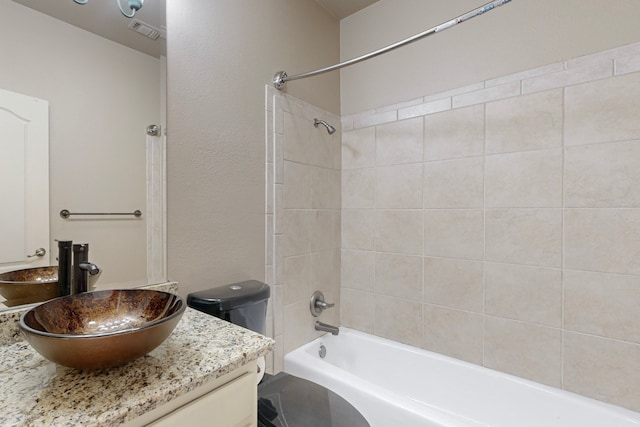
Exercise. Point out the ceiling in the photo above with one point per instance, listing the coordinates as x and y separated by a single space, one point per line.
103 18
343 8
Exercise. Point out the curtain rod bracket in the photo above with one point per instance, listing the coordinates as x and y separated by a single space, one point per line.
280 80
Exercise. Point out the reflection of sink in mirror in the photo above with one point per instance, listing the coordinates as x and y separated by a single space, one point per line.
31 285
127 87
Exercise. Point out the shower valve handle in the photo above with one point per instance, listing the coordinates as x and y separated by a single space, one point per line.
317 304
324 305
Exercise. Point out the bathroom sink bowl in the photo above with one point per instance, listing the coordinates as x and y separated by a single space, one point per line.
29 285
101 329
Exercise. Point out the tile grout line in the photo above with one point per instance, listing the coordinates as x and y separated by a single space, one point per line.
563 244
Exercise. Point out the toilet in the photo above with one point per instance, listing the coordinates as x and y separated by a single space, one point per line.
283 399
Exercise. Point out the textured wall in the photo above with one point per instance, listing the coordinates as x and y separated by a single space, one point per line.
517 36
499 223
220 56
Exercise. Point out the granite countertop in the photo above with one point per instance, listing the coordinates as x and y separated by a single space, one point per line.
36 392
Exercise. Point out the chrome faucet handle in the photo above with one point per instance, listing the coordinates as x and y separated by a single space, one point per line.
324 305
317 304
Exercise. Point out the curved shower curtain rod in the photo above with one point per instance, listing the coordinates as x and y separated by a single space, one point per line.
281 77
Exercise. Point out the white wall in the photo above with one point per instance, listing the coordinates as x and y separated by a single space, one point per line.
520 35
221 54
101 96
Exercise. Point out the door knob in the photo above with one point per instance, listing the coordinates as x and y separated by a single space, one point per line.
40 252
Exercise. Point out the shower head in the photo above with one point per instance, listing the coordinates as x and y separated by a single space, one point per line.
330 128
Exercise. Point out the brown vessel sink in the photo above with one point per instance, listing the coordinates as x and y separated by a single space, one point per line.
102 329
29 285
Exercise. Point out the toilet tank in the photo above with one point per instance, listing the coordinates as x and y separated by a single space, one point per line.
243 303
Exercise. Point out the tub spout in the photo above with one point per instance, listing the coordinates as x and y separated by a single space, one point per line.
327 328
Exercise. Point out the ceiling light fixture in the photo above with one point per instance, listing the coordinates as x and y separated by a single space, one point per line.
134 5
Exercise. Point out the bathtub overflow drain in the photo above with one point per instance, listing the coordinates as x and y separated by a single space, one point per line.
322 352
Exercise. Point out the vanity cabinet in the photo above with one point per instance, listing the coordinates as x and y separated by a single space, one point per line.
229 401
204 374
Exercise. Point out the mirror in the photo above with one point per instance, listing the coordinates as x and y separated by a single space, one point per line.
104 84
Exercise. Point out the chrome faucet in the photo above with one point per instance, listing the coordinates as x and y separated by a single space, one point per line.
317 305
327 328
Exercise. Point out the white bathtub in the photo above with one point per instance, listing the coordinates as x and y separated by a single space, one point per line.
395 385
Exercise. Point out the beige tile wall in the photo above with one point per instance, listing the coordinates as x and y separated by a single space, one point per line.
500 224
303 192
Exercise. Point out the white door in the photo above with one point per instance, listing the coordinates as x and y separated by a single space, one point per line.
24 181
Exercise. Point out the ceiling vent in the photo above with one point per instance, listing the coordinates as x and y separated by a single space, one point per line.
147 30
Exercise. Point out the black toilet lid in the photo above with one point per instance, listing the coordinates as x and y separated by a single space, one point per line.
288 401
